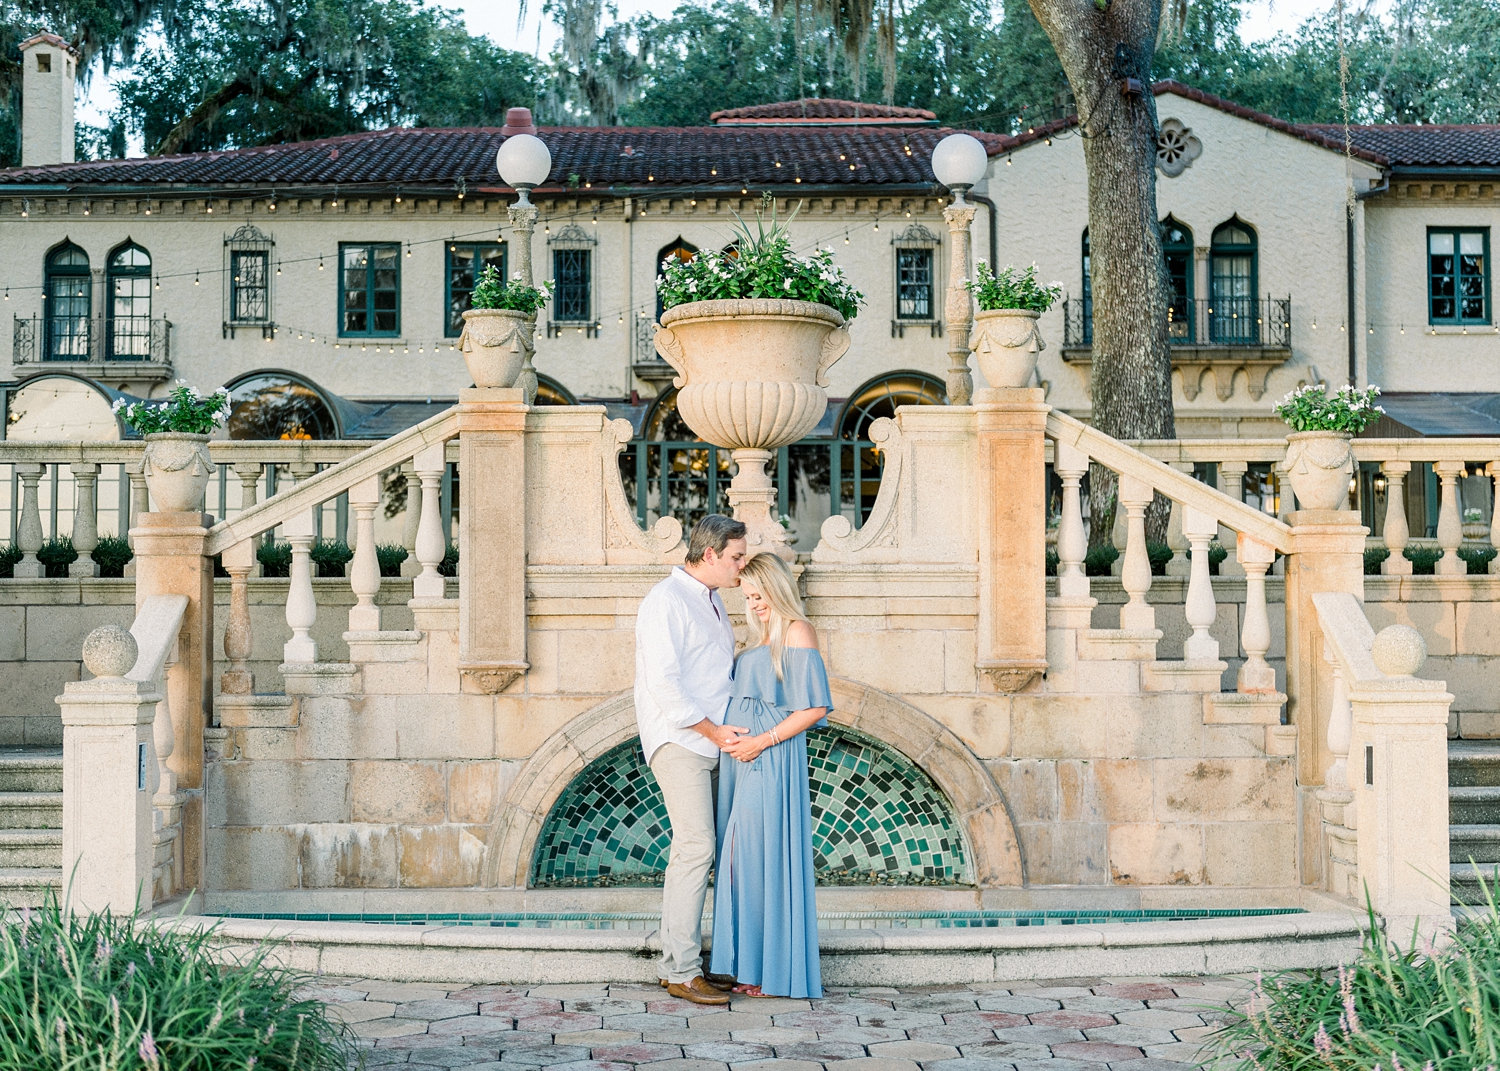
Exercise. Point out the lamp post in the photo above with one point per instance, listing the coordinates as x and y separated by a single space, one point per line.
524 162
958 162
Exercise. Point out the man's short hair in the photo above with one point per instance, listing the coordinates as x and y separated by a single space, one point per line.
715 530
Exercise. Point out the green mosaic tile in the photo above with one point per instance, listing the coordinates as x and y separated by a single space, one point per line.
877 820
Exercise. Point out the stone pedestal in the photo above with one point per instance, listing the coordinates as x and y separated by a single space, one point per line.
1012 646
169 560
492 538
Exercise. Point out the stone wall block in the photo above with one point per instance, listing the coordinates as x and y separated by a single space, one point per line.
329 728
1029 787
1169 725
1124 789
1154 853
962 778
281 793
889 720
442 663
1251 853
1436 621
395 678
894 660
1476 629
273 745
13 633
474 789
1001 863
523 724
596 661
1042 727
347 856
1225 790
441 856
1471 679
981 722
411 793
959 654
248 857
1077 800
58 631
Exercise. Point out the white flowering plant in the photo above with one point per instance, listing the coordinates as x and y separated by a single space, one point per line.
493 292
1348 409
184 410
760 264
1011 288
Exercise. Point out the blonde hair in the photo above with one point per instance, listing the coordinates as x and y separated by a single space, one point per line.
773 578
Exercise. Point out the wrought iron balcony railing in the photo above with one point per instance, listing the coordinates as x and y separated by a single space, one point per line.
81 340
1263 323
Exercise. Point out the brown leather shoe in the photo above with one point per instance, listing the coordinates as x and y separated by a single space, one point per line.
722 982
698 991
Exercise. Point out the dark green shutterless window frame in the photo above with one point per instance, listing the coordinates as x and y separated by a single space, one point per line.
462 264
1458 275
369 289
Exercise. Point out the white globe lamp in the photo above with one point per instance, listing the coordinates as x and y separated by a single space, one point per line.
523 161
958 162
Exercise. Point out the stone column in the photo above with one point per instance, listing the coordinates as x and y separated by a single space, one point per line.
1013 547
107 741
169 560
1327 555
1398 765
492 539
959 306
522 223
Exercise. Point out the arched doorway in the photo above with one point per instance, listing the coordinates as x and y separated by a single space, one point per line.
127 281
1232 275
680 250
858 460
279 405
68 296
1177 253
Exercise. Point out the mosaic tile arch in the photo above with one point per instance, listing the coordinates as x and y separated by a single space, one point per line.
878 819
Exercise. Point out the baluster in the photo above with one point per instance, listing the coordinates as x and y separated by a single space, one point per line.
85 518
1256 674
1135 572
1199 528
29 533
1119 534
1493 471
364 570
1397 533
1070 463
410 520
1283 506
1232 483
1179 565
1340 726
249 474
301 605
1450 530
165 739
238 560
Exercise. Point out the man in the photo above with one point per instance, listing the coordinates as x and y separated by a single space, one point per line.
684 659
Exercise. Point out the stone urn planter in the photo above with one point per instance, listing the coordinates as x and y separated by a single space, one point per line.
495 343
1320 464
1006 344
1476 531
751 374
177 468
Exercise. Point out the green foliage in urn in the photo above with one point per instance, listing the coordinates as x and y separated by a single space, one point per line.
184 410
110 991
1348 409
760 264
1011 288
112 554
390 556
493 292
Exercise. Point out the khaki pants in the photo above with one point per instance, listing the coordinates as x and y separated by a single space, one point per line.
687 787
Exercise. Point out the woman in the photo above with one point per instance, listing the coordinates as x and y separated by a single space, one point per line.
765 914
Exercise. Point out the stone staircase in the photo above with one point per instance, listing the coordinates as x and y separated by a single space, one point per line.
30 825
1473 816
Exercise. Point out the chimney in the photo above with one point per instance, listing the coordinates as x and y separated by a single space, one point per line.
518 121
49 71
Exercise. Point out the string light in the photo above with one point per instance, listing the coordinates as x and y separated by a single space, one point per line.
158 282
25 208
846 237
88 208
320 261
148 206
196 280
398 197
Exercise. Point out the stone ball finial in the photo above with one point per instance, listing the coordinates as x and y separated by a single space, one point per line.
1398 651
109 651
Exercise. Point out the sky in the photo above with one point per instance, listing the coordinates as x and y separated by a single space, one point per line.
536 34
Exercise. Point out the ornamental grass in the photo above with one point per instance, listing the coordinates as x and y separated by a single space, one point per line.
110 993
1424 1008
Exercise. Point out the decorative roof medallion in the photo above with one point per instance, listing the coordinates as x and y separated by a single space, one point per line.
1176 148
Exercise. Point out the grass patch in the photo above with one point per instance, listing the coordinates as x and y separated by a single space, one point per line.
91 992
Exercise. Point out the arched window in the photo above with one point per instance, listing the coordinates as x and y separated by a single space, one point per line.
669 471
69 298
679 250
1177 252
54 406
277 405
550 392
879 397
128 284
1232 313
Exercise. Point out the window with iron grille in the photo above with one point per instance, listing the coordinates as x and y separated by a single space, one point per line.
128 283
914 284
249 297
571 270
370 290
68 300
1458 276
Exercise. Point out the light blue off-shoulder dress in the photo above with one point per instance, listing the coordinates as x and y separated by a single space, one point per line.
765 911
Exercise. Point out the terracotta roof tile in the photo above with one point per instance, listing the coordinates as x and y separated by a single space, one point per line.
664 157
822 109
1424 145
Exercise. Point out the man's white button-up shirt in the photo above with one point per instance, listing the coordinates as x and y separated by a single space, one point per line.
684 662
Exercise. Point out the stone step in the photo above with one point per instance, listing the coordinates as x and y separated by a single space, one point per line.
31 810
1466 884
1473 763
31 848
28 886
30 770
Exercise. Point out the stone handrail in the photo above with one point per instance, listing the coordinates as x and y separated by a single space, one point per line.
319 488
1393 812
1171 483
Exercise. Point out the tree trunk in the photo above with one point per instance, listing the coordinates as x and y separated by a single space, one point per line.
1132 364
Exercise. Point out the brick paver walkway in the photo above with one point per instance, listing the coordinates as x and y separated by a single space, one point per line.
1123 1024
